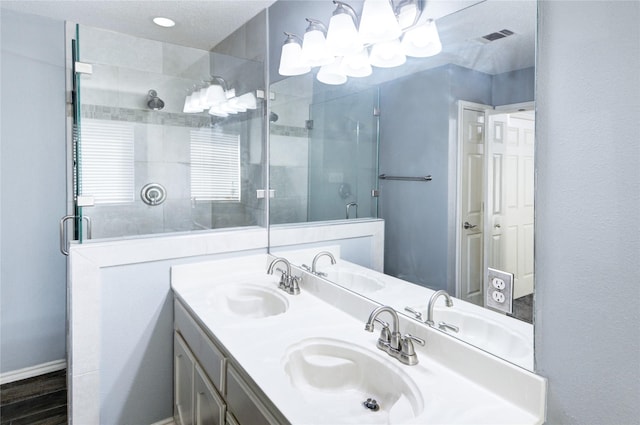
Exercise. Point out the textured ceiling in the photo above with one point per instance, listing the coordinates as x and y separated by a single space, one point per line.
199 24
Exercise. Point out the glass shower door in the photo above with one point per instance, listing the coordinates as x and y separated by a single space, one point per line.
343 157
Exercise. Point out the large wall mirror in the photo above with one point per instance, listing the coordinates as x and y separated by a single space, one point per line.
439 147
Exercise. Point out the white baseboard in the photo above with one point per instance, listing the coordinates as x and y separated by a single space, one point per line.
168 421
30 372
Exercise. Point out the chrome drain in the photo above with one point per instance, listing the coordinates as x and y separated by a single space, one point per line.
371 404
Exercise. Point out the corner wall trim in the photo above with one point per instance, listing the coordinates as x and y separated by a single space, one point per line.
30 372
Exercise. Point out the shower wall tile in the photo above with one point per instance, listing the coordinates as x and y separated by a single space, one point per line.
149 144
289 151
176 142
175 178
177 215
121 50
98 88
184 62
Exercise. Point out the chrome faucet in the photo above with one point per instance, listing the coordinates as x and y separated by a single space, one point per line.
352 204
392 342
315 260
288 282
432 303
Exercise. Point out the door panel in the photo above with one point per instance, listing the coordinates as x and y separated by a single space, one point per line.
472 196
511 194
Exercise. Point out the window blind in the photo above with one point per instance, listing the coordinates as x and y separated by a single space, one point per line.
215 166
107 161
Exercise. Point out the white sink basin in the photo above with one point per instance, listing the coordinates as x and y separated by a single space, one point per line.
354 281
247 300
338 376
485 333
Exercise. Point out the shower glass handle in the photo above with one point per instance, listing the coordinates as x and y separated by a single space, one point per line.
64 239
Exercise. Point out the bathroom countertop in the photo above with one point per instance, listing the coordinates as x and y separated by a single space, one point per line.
261 347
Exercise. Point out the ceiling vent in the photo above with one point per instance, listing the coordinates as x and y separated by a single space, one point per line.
497 35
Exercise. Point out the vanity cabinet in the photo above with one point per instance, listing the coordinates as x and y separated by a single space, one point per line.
209 387
197 402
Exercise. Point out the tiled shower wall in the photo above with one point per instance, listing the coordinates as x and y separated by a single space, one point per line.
125 68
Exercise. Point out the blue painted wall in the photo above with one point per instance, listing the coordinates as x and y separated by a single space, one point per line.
415 124
33 276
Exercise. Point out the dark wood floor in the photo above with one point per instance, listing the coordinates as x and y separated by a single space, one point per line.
41 400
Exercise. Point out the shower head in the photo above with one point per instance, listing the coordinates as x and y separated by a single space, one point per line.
273 117
153 101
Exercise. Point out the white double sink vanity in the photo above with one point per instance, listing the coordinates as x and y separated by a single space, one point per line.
248 352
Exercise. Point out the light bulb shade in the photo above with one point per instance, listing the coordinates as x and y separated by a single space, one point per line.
422 41
235 105
187 105
291 62
408 13
200 99
342 36
357 65
314 49
192 103
248 101
218 112
215 95
387 54
378 22
331 74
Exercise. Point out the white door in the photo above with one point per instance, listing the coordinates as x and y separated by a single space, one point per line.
471 202
510 197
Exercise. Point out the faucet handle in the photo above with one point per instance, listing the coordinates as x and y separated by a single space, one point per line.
414 312
294 285
408 354
384 340
283 279
409 338
307 268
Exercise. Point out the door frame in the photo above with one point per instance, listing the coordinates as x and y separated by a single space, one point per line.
499 110
456 225
461 105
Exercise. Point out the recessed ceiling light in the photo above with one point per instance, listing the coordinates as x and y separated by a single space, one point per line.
163 22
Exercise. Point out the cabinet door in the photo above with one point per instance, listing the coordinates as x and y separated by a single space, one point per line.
183 369
243 403
209 407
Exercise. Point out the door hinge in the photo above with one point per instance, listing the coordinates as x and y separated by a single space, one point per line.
83 68
376 112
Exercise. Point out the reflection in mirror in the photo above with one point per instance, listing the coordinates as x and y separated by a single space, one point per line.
463 117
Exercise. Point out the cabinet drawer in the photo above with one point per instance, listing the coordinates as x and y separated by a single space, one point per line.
208 355
243 403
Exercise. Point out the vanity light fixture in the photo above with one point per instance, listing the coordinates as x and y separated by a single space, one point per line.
291 61
422 41
378 22
384 36
218 99
342 37
164 22
314 44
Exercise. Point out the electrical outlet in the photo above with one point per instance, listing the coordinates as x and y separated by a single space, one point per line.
499 291
498 283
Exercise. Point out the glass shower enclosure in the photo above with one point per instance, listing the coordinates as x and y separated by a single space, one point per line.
143 162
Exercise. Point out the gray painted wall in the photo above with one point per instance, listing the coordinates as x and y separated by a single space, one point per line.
33 274
415 125
587 339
